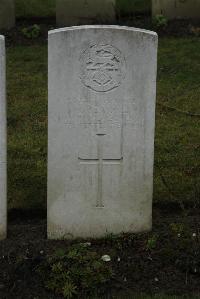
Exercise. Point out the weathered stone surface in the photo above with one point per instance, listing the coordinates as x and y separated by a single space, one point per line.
84 12
102 89
7 14
3 197
177 9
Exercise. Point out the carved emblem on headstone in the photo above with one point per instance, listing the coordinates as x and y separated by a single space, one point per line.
102 67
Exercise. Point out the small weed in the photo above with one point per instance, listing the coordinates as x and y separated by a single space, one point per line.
160 21
78 270
32 31
177 228
151 242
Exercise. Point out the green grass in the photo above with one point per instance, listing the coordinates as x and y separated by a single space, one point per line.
46 8
177 134
27 130
177 145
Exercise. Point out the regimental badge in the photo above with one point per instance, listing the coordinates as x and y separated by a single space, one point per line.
102 67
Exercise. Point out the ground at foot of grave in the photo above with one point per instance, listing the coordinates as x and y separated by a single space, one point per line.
165 261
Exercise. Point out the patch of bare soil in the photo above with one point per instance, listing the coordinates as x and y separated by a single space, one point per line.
167 260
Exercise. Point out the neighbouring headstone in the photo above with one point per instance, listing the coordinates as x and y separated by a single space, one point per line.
84 12
102 89
177 9
7 14
3 197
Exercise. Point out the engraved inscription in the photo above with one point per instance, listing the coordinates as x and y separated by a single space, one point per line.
102 67
100 162
110 113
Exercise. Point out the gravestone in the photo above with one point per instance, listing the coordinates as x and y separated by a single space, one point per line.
177 9
3 201
102 89
84 12
7 14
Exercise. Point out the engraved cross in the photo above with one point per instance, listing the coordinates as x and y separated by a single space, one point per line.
100 162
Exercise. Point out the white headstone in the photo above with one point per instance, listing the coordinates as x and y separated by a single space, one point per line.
102 90
177 9
3 197
7 14
84 12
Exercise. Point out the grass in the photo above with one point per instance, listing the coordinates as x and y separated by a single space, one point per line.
46 8
27 130
177 144
177 147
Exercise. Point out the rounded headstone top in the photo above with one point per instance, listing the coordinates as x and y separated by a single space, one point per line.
106 27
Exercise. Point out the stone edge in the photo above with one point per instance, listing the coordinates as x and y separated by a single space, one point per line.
3 233
84 27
